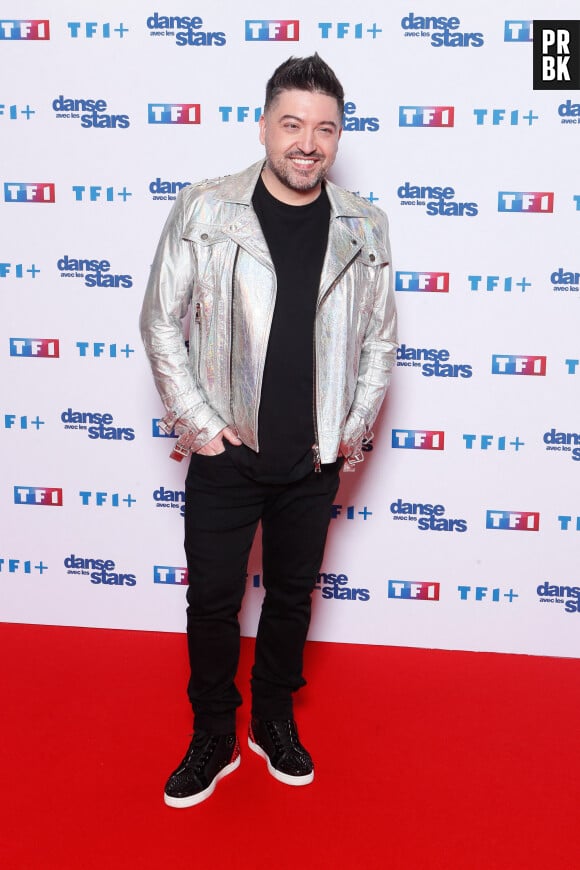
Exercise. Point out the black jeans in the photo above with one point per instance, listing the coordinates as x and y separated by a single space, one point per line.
222 512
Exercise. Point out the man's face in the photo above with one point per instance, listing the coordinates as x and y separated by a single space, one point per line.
300 131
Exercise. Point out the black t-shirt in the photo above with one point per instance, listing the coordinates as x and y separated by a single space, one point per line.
297 237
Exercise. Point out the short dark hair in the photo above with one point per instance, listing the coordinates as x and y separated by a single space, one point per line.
305 74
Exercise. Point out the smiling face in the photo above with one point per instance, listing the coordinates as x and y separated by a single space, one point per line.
300 132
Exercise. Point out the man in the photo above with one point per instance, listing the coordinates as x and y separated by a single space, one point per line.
292 338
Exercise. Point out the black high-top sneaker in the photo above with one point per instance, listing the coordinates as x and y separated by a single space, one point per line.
278 743
209 758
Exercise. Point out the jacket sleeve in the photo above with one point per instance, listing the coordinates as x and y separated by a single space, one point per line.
167 299
377 358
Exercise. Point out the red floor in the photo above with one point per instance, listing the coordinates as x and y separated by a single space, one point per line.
425 760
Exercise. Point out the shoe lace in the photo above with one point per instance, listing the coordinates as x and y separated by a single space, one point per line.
284 734
200 751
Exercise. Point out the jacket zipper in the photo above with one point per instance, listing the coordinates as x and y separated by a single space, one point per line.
232 333
197 322
316 445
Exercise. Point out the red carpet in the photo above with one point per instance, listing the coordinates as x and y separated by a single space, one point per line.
425 760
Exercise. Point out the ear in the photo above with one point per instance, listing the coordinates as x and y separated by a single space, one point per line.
262 125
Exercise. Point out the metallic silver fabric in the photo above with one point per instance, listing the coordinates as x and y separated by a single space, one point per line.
213 260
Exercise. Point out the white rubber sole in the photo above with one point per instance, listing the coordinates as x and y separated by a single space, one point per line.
277 774
193 800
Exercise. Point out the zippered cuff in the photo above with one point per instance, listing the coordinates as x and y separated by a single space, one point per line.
183 446
167 423
190 439
358 456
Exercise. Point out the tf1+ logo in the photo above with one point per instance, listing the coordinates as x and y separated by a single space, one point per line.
13 111
43 496
418 439
29 191
170 575
35 347
17 566
268 30
18 270
481 593
24 28
92 29
343 29
531 202
426 116
514 364
174 113
514 521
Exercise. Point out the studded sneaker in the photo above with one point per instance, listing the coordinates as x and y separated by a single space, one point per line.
277 742
209 758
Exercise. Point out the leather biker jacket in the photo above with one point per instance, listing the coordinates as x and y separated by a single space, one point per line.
212 259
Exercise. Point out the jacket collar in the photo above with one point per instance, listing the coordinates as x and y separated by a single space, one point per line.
345 238
239 188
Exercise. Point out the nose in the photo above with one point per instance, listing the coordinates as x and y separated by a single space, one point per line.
306 141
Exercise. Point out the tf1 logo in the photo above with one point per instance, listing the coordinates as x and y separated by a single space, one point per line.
426 116
35 347
29 191
410 590
530 202
264 30
24 28
514 364
44 496
517 31
418 439
170 575
515 521
422 282
174 113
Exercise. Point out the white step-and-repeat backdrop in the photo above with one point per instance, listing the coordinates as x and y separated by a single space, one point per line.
462 528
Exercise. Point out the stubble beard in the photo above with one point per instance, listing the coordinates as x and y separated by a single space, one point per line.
292 178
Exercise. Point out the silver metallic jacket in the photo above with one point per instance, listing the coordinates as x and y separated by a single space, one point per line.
213 259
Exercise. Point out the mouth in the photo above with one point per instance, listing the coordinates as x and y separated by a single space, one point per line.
303 162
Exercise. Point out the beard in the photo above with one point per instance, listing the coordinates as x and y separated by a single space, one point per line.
298 179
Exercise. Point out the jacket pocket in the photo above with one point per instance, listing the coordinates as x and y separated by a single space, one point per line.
204 235
373 256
